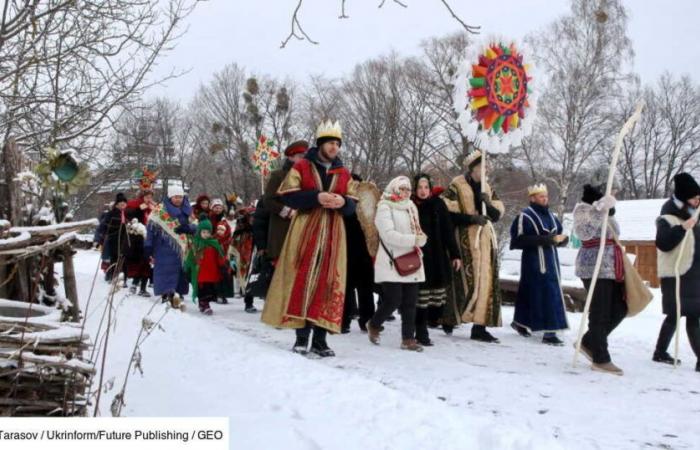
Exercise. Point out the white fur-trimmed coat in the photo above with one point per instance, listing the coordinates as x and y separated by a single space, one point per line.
398 226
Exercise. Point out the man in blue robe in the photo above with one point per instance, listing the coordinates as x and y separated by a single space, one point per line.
540 302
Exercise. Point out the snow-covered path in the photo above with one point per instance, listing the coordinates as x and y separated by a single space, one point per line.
458 394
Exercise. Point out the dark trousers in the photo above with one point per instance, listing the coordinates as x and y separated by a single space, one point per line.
668 328
403 296
141 282
359 301
422 324
608 308
319 333
206 293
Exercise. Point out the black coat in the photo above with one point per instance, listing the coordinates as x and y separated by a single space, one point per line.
261 223
441 246
667 238
115 233
360 265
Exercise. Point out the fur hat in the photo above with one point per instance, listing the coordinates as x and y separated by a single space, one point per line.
120 198
685 187
296 148
591 194
472 160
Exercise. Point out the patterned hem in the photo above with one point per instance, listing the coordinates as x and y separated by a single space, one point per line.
431 298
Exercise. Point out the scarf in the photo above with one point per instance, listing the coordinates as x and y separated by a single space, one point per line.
194 255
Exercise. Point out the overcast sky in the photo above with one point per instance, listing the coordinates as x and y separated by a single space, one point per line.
249 32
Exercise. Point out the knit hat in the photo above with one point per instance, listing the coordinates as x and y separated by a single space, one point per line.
296 148
175 191
591 194
685 187
204 224
120 198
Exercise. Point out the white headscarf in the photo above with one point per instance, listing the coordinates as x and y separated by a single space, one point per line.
392 192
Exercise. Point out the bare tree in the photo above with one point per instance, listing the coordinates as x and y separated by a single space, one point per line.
584 58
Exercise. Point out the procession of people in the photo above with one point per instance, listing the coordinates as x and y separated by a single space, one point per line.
321 256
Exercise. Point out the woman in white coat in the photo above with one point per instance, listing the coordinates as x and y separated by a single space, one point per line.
400 233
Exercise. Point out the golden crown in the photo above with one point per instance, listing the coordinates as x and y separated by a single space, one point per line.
540 188
329 129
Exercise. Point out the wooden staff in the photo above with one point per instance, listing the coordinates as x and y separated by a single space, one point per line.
626 128
678 289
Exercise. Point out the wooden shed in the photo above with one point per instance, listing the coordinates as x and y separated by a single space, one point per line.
637 219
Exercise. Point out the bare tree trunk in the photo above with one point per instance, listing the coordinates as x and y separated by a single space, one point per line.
12 161
69 282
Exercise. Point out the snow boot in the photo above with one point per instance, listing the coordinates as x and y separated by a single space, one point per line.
322 349
144 293
345 329
251 309
372 333
522 331
663 357
608 367
480 334
552 339
411 344
448 329
176 302
301 345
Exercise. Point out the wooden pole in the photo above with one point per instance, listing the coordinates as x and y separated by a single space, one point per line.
677 271
69 282
627 127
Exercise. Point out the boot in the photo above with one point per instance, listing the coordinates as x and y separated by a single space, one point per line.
479 333
425 341
222 301
363 325
321 349
144 293
372 333
411 344
301 345
608 367
697 366
663 357
251 309
522 331
448 329
132 289
552 339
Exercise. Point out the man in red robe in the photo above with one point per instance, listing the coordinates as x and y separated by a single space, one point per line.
308 288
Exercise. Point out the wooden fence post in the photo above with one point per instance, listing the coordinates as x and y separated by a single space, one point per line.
69 282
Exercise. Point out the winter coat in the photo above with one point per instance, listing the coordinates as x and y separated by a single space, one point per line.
397 225
539 305
360 265
225 240
278 226
168 276
133 208
137 264
211 265
668 237
441 247
587 226
115 233
261 225
197 209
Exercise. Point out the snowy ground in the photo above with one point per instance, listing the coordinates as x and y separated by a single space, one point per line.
456 395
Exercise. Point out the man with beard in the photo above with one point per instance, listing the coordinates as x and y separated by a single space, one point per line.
540 302
308 288
475 295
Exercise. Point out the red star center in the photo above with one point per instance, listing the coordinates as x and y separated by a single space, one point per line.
507 84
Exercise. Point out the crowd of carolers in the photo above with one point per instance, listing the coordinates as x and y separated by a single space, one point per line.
430 254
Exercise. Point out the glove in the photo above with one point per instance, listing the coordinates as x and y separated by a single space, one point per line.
183 229
481 220
606 203
484 197
421 239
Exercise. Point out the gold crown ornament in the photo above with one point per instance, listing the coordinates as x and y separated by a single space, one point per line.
540 188
329 129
